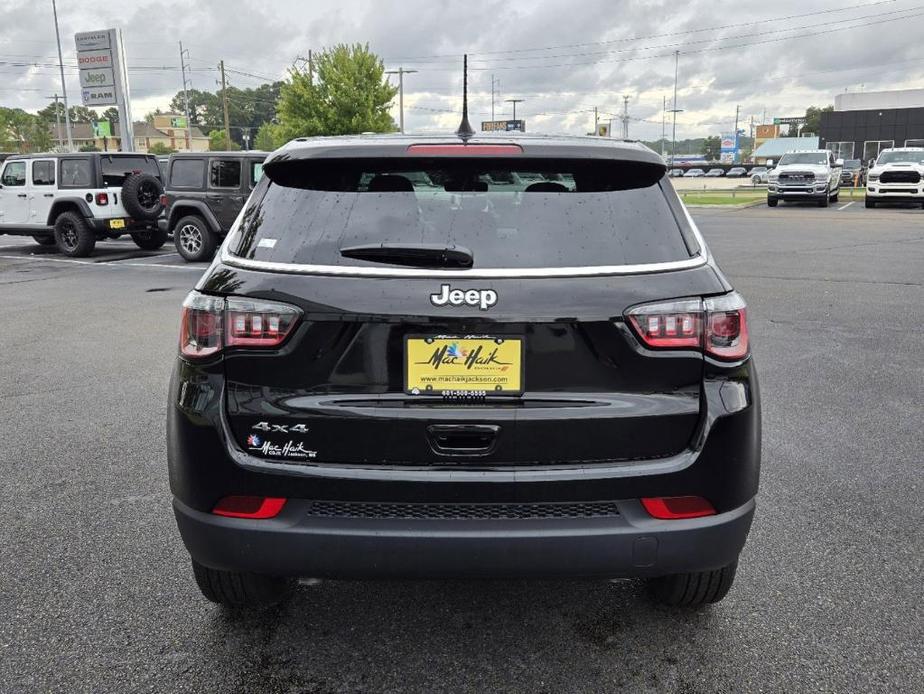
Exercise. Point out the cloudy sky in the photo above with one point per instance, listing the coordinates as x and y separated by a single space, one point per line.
563 58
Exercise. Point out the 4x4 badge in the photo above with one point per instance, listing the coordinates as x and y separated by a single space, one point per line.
482 298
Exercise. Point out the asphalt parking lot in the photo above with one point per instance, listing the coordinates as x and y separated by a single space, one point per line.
97 595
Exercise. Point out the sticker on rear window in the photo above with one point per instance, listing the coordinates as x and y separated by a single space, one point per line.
266 243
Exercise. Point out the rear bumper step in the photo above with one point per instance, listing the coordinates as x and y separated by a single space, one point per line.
603 539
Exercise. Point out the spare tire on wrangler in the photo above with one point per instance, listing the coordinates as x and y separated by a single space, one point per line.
141 196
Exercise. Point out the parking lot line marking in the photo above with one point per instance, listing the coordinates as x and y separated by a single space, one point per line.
113 264
844 207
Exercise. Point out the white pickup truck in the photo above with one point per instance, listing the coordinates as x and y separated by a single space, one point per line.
812 174
898 176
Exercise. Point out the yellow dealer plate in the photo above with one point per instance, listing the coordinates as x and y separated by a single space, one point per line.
116 223
447 365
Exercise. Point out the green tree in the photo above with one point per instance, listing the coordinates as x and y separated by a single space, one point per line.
149 117
204 108
268 137
219 143
159 148
712 147
88 148
80 114
348 94
813 118
111 114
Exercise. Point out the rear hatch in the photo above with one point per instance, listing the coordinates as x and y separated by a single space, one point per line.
462 311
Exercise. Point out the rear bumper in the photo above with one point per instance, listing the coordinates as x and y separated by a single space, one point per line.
629 544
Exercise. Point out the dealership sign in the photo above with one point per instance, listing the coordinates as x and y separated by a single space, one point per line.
104 77
798 120
503 125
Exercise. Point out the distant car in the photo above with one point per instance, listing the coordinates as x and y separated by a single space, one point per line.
715 173
759 174
694 173
897 176
736 172
853 172
675 173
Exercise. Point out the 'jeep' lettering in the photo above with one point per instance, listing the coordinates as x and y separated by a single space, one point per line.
482 298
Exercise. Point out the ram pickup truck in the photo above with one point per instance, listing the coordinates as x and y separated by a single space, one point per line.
898 176
805 175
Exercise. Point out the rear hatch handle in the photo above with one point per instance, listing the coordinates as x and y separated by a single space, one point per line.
463 439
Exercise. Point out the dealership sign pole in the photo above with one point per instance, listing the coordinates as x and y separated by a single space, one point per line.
104 78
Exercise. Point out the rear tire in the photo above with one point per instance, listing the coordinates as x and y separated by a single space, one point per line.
236 590
150 240
694 589
836 195
73 235
870 204
772 202
194 240
45 240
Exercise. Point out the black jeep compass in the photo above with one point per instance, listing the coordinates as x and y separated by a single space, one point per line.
437 357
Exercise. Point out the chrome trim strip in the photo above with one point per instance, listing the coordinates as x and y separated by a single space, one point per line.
702 258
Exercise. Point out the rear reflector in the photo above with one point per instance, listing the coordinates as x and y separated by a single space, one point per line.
256 507
677 507
463 150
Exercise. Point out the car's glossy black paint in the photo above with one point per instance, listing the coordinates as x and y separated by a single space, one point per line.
602 418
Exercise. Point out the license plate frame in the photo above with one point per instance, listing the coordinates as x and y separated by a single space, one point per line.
480 379
116 223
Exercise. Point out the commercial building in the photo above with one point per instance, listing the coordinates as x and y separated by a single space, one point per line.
862 124
772 150
168 129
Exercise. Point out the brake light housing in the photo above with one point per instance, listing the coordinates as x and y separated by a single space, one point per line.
102 199
677 507
716 326
253 507
212 324
462 149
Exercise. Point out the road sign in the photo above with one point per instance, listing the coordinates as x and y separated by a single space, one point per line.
104 77
503 125
796 120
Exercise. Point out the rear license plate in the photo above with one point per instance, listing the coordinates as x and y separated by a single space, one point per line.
446 365
116 223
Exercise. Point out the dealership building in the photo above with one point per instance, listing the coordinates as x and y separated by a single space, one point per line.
863 124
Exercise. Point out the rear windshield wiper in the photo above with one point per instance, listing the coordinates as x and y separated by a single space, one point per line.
412 254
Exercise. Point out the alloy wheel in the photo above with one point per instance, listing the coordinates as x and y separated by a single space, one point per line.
190 238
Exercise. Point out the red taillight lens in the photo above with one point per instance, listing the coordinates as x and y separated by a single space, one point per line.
211 324
258 323
717 325
255 507
726 327
200 326
677 507
102 199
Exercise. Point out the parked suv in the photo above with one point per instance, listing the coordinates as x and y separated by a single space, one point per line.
898 176
380 379
205 192
75 200
853 174
812 174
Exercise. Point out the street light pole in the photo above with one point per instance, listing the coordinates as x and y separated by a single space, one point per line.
674 108
401 72
67 116
184 54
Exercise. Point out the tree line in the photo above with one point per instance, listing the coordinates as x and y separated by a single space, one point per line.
343 91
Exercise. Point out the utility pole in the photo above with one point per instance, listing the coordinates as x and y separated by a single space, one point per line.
224 102
674 108
625 117
67 116
310 67
401 72
58 134
596 122
663 125
493 82
184 56
737 111
514 102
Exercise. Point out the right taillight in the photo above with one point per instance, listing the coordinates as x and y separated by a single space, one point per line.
717 325
211 324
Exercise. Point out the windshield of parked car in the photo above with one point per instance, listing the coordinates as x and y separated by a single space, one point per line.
893 157
542 214
818 158
852 164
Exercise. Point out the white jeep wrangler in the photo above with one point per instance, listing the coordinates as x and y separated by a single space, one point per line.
74 200
898 176
812 174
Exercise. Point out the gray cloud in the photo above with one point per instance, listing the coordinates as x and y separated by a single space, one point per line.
590 57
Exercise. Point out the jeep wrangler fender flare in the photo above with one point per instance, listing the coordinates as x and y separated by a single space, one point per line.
63 204
181 209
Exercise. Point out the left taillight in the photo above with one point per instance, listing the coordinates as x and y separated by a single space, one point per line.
716 325
211 324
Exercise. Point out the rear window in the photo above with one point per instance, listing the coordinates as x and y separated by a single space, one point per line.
187 173
521 214
116 168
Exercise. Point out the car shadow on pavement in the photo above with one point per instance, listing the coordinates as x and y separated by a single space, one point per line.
456 636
